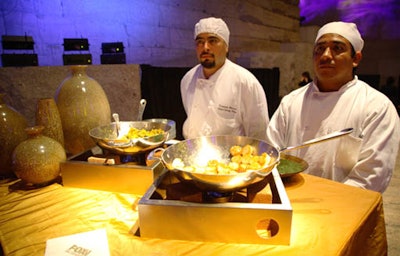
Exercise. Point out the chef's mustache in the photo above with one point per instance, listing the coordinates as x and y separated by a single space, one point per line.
206 53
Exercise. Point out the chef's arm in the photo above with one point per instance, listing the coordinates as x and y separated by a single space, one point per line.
377 158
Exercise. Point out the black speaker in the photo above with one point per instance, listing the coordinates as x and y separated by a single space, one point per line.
117 58
76 44
19 60
77 59
17 42
115 47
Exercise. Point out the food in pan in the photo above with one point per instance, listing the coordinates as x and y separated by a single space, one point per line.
242 159
135 133
127 137
119 138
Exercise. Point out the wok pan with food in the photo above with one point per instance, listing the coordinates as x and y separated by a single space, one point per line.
130 137
199 151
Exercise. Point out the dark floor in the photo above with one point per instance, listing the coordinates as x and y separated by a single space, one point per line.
391 203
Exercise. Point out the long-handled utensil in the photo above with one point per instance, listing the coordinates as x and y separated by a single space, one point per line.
142 106
330 136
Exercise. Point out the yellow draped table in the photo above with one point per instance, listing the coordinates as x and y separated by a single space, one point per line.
329 218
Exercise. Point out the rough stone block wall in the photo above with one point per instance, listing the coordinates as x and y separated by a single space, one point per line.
24 86
154 32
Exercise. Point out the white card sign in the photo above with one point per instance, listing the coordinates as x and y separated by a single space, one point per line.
92 243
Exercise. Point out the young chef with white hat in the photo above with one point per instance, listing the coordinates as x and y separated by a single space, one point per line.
337 99
219 96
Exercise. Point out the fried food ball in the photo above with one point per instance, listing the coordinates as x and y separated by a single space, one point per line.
247 150
242 159
235 150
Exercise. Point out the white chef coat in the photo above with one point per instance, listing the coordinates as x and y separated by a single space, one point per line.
230 102
366 157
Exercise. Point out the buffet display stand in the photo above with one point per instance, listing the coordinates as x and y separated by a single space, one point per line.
328 218
261 213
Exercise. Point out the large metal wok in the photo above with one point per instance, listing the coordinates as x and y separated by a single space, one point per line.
110 137
199 150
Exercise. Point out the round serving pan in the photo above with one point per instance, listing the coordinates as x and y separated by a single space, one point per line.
108 137
199 150
172 123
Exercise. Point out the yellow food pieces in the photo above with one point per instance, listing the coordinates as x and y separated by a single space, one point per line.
135 133
242 159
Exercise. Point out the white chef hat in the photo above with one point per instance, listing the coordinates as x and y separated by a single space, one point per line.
212 25
346 29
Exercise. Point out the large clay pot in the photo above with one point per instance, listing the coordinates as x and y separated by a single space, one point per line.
48 116
12 132
36 160
83 105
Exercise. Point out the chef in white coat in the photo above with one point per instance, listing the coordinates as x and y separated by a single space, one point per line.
219 96
337 99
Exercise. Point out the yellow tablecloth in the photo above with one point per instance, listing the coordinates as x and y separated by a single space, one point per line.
329 218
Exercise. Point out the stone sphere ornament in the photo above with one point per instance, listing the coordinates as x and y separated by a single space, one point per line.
36 161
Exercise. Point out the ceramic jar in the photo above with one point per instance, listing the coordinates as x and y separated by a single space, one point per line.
83 105
12 132
36 161
47 115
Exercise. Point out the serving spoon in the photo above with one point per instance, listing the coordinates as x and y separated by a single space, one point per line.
117 125
142 106
118 142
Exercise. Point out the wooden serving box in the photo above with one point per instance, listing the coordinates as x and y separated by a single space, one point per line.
265 220
123 178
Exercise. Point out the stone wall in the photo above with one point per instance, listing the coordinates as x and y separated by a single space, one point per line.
155 32
159 32
24 86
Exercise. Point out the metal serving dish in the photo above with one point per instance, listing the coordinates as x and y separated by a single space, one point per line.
172 123
108 137
290 165
199 150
